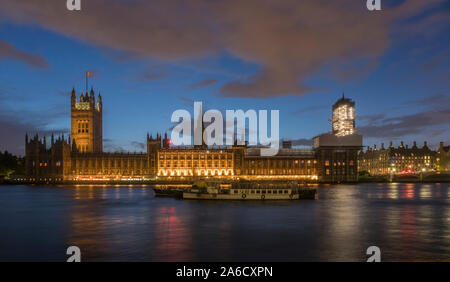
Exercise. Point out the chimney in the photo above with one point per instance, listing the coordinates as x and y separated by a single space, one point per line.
401 144
382 146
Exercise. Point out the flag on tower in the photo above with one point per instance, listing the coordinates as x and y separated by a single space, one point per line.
88 74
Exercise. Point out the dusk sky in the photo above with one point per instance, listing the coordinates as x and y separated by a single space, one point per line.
150 58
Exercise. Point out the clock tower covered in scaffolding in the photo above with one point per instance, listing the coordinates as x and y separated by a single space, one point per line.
343 117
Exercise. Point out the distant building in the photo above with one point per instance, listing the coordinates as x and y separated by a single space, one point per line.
80 157
337 152
400 160
343 117
443 158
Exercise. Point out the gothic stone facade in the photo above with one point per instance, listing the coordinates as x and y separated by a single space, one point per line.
80 157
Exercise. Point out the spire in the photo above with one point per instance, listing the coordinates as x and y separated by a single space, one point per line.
73 92
53 139
26 138
343 96
92 92
74 145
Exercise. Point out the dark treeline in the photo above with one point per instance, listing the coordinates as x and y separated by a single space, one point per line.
10 164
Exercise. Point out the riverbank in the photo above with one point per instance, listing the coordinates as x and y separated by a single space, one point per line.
443 178
432 178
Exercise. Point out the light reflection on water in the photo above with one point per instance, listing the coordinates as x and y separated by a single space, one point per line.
407 221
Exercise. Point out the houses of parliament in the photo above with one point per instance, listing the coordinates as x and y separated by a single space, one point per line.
79 157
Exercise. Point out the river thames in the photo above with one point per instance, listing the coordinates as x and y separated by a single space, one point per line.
408 222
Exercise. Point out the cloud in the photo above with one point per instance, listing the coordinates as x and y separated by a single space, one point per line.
10 52
151 75
288 40
110 146
370 119
311 109
204 83
436 101
14 123
418 123
139 145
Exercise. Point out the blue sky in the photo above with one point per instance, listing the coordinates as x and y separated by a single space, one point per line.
394 64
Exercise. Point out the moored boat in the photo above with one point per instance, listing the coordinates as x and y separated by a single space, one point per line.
251 191
168 192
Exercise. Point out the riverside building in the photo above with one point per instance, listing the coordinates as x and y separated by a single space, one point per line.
80 157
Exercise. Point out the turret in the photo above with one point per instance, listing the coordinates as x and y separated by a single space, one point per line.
92 97
390 144
382 146
99 102
425 145
414 145
73 98
166 142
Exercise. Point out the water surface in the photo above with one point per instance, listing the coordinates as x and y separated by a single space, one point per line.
406 221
